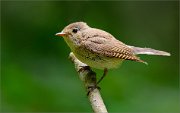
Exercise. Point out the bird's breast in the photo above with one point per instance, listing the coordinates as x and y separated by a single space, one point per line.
96 60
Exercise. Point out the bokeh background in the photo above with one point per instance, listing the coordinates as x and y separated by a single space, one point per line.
37 76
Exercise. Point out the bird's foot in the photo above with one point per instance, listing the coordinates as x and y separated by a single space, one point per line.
91 88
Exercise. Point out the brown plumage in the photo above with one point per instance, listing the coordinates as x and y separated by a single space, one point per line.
99 49
105 44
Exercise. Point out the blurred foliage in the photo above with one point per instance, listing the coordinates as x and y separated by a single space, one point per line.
36 75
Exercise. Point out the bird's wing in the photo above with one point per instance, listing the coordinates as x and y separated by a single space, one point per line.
110 48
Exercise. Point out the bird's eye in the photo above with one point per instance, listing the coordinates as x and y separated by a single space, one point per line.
75 30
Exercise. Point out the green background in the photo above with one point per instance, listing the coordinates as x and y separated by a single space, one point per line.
37 76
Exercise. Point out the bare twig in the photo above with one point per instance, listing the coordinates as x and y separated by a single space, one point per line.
89 79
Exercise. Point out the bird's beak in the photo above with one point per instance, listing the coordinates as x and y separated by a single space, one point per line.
60 34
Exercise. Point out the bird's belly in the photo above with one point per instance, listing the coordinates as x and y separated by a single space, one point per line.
97 61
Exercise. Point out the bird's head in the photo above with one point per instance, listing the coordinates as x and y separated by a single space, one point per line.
72 33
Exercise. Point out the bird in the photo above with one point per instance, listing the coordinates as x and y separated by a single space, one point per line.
99 49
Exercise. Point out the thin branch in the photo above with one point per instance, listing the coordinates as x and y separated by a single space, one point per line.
88 77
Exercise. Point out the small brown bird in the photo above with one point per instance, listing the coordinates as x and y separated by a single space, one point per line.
99 49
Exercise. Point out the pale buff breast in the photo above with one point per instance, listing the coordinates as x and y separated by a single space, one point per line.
95 60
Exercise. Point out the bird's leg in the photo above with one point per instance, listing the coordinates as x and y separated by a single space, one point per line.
91 88
92 84
104 74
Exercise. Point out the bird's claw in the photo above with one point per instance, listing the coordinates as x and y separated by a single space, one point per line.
91 88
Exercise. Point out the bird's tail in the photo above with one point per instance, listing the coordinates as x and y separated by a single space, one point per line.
148 51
